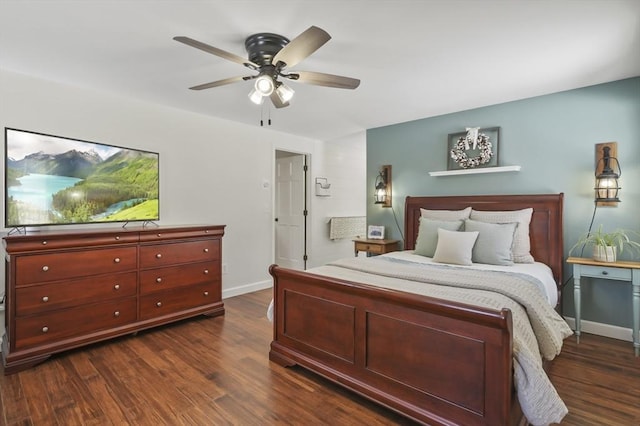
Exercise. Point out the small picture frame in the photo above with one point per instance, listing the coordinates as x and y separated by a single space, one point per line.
375 232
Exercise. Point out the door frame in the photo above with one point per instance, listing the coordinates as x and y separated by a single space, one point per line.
307 203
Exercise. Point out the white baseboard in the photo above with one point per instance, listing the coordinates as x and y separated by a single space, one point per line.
600 329
249 288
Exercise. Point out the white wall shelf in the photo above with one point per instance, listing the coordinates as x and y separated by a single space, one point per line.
476 171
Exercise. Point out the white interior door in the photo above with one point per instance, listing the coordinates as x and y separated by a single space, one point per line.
290 211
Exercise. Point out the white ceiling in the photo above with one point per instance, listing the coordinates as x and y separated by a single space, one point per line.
415 58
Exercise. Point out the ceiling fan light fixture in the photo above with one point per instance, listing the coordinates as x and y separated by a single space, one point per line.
256 97
270 55
264 85
284 92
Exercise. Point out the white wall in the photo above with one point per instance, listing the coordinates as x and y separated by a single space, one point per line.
211 170
344 165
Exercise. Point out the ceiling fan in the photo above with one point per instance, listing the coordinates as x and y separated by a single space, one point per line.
270 54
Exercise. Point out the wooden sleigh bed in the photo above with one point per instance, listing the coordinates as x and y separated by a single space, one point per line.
452 363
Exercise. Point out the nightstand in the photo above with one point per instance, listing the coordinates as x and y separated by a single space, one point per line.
620 271
375 246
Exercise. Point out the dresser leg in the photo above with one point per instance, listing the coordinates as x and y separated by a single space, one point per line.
576 301
635 290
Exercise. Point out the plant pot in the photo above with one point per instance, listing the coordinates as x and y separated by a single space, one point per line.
605 253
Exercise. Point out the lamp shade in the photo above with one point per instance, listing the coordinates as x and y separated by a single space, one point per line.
256 97
284 92
382 194
607 187
264 85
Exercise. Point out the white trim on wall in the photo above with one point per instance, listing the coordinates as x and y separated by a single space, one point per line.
247 288
600 329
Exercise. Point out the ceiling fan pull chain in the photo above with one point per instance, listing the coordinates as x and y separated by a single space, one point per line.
262 115
269 109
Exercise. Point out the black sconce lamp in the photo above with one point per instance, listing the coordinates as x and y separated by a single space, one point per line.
383 187
607 173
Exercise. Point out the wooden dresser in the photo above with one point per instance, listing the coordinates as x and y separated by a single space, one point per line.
67 289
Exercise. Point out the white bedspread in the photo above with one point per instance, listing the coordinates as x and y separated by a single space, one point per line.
530 293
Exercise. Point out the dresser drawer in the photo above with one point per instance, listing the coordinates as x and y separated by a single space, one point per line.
63 241
371 248
181 233
161 279
61 265
63 294
169 302
609 273
157 255
63 324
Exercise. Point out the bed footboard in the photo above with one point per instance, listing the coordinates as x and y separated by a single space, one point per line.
434 361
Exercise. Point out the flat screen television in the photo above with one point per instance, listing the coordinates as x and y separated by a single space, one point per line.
54 180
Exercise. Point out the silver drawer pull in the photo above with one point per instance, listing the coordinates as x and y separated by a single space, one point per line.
158 280
45 268
159 304
605 273
117 238
45 329
206 250
116 287
159 256
117 260
206 271
45 298
206 293
116 314
44 243
159 235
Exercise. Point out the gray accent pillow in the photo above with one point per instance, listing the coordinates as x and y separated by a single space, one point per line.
521 244
494 242
455 247
446 214
428 234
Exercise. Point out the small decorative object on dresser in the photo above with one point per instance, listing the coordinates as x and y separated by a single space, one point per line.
67 289
607 245
375 232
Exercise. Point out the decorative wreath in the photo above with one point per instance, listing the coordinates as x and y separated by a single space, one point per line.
459 155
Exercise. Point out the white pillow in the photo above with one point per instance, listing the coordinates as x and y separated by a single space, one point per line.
428 234
446 214
521 245
455 247
494 242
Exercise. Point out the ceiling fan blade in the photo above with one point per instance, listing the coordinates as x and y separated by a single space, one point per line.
302 46
327 80
217 83
215 51
276 100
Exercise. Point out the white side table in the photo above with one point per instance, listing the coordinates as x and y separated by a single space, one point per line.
621 271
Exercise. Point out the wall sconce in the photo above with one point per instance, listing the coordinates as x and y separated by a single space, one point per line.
383 187
607 173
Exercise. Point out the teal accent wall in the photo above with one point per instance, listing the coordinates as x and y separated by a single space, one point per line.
553 138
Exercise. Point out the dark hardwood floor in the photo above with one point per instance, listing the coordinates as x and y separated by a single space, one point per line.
215 371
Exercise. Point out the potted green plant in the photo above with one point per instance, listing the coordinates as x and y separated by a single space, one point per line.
607 245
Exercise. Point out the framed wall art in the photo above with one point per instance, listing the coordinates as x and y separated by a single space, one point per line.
475 148
375 232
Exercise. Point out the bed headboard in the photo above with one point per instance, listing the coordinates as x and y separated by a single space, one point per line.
545 231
